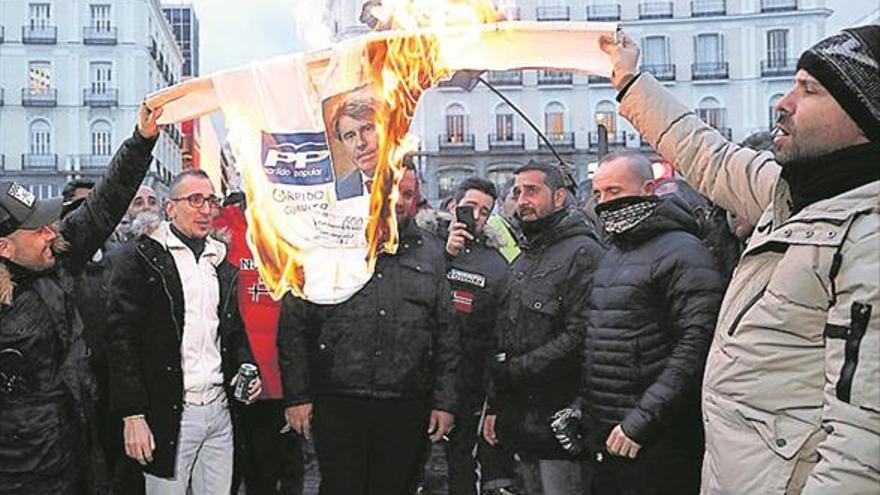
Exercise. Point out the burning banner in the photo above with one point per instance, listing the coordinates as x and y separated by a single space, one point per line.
319 138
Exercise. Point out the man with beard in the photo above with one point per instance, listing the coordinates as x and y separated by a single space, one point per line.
378 371
540 327
655 298
791 400
47 389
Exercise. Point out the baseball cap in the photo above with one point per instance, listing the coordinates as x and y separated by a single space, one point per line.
20 209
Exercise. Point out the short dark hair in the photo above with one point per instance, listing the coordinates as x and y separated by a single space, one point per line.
553 177
175 182
478 183
72 186
639 164
359 108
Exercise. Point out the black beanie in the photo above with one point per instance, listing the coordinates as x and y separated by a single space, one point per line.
848 65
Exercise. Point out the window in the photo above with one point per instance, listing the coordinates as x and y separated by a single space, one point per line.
101 75
43 191
777 47
101 135
449 178
500 174
709 49
554 121
456 123
656 51
504 123
40 138
100 17
39 77
774 114
40 15
711 112
607 115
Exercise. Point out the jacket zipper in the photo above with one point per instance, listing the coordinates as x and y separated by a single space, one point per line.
745 310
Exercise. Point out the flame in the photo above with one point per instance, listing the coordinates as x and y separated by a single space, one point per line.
403 67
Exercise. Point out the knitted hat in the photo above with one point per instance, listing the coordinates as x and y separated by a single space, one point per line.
848 65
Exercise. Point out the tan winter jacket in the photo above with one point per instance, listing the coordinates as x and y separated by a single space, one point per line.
791 398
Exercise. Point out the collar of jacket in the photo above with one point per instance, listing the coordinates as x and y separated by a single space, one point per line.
215 251
553 228
672 213
830 175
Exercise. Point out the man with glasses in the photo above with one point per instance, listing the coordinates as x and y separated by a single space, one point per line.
177 343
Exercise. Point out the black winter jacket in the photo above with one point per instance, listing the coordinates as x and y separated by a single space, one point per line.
543 313
46 386
656 295
147 323
395 338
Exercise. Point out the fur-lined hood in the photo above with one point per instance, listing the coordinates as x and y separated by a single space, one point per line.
437 221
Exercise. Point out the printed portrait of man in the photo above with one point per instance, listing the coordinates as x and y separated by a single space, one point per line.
354 126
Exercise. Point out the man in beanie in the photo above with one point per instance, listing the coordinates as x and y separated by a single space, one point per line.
47 389
791 393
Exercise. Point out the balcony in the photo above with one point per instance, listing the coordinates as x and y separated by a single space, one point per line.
603 13
505 77
710 71
39 35
778 67
661 72
43 97
768 6
506 142
103 98
554 78
615 140
39 163
99 36
553 13
456 142
93 162
655 10
558 140
598 80
708 8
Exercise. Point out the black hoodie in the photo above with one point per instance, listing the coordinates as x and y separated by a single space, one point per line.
655 299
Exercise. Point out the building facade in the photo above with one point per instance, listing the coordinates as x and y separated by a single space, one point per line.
72 76
185 26
728 59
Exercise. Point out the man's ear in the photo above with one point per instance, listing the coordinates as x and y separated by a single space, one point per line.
559 198
649 188
169 209
6 250
451 207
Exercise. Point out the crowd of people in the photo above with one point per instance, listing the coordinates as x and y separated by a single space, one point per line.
712 332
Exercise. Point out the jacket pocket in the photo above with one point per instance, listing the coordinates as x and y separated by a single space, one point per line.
541 302
860 316
45 449
785 436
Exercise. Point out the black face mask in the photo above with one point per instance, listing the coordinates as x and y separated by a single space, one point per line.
622 214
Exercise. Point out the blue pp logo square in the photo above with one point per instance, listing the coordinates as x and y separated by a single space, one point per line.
298 159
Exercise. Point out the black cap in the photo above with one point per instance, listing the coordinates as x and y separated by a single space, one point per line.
20 209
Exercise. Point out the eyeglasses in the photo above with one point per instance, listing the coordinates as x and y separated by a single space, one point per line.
197 200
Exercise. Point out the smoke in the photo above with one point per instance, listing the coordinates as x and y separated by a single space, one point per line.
314 20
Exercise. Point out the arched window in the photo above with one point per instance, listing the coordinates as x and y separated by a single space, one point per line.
554 121
456 123
606 115
40 138
774 115
101 137
711 112
449 177
503 122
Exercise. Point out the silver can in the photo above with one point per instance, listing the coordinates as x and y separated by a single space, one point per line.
247 373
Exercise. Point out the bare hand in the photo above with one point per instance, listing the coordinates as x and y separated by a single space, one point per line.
254 390
458 237
441 424
139 442
624 58
489 430
621 445
300 419
147 126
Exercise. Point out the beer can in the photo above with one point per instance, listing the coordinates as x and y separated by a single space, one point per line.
247 373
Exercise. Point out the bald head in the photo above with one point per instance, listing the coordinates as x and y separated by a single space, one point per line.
145 200
623 174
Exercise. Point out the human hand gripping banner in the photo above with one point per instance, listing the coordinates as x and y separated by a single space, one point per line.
319 138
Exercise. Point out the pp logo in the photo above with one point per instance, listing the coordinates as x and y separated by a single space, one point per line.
298 159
